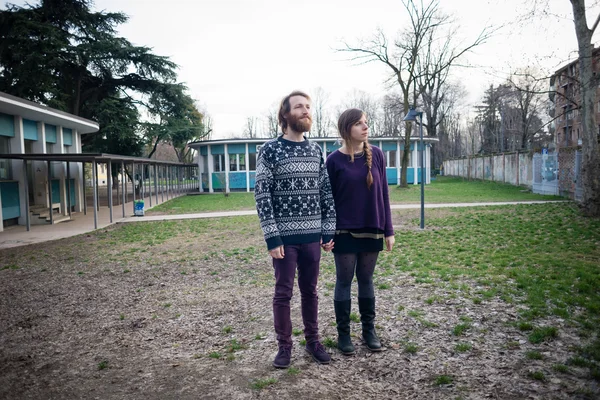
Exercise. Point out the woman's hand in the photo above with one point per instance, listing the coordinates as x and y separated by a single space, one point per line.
327 246
389 242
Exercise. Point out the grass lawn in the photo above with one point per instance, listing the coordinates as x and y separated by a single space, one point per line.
446 189
441 190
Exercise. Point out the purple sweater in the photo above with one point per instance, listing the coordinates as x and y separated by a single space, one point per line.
356 206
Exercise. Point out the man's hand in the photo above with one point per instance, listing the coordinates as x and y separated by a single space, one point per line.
389 242
327 246
277 252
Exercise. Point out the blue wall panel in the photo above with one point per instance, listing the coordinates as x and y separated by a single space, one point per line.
50 133
7 125
392 175
217 149
237 180
30 131
55 191
217 178
11 205
67 137
388 146
236 148
410 175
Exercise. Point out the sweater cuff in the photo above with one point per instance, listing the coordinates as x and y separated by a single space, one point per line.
388 233
274 242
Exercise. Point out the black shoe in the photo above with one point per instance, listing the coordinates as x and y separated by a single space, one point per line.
318 353
342 318
366 307
283 357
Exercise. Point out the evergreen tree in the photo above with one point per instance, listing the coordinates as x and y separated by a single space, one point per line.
63 54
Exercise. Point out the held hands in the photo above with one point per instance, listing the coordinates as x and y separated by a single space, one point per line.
389 242
277 252
327 246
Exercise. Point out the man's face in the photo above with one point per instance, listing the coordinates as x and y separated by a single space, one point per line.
300 116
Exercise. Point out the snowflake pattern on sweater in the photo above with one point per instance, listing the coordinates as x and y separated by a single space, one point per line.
293 193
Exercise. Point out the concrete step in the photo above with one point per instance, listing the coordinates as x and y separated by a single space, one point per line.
59 218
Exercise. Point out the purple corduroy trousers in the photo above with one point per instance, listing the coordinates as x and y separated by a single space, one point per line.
305 258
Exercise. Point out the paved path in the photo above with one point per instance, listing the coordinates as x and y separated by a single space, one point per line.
253 212
80 224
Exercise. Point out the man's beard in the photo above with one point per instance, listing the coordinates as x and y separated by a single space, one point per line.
300 124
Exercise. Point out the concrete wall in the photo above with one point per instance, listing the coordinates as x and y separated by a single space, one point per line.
513 168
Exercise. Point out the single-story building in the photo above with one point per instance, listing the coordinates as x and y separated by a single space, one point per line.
30 128
231 163
41 161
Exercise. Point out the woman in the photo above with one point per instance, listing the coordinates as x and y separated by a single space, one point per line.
363 224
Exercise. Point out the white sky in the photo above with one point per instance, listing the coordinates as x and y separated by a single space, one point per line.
240 57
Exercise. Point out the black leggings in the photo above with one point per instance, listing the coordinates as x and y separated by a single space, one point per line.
345 265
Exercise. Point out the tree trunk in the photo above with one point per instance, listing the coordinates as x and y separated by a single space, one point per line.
588 83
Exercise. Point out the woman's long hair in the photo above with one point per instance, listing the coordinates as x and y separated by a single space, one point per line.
345 124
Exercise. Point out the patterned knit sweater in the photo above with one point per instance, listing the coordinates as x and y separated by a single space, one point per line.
293 193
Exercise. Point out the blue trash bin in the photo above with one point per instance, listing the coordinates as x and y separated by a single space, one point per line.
138 209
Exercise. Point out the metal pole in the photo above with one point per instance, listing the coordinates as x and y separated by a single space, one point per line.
156 182
143 188
69 187
95 182
422 173
150 184
50 192
97 199
84 192
27 219
133 185
162 185
123 187
109 182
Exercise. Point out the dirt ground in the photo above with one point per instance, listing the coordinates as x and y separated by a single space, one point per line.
183 311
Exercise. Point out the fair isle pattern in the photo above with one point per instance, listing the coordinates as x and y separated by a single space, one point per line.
293 193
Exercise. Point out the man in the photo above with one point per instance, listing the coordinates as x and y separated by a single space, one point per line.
297 216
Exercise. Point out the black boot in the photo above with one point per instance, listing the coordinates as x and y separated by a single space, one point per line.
366 306
342 317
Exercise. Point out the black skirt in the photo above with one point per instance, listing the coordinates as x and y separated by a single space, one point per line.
348 241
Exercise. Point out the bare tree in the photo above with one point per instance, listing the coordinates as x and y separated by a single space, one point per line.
272 122
368 104
251 128
411 55
530 101
391 115
321 117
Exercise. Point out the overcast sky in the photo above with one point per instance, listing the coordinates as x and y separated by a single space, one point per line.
240 57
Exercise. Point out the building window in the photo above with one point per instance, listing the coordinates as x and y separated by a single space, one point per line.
391 158
237 162
5 170
252 161
233 166
219 162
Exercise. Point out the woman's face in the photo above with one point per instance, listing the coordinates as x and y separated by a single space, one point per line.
359 133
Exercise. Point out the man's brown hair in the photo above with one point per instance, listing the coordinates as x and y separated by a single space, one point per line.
284 108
